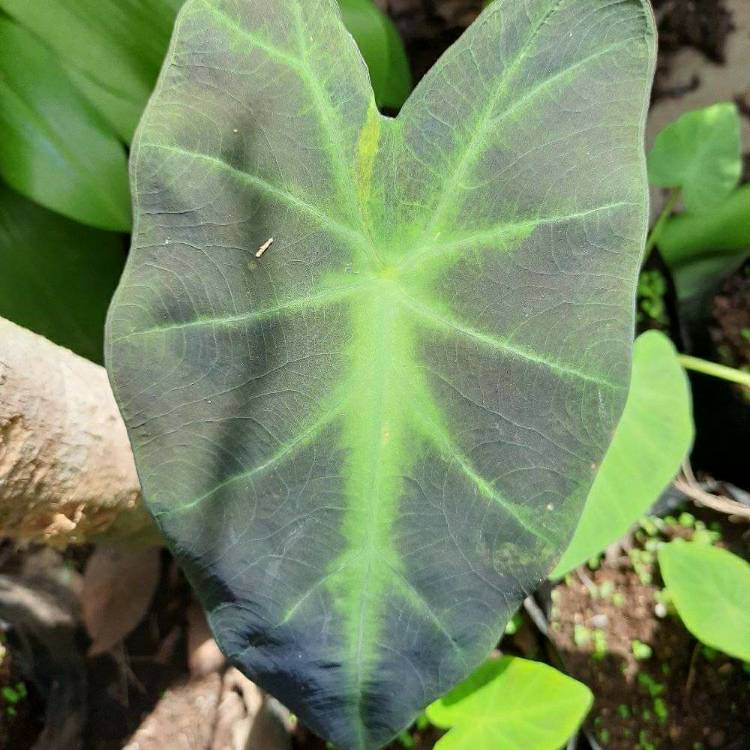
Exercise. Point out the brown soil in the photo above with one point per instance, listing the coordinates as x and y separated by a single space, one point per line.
703 24
19 705
125 686
681 696
731 313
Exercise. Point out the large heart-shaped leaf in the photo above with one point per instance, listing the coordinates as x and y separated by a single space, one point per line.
369 444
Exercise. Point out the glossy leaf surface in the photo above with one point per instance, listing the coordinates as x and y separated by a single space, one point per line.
710 588
57 276
112 48
651 441
701 153
53 147
511 704
367 445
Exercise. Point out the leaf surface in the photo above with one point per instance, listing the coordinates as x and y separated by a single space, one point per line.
511 704
710 588
113 48
57 276
651 441
701 153
368 445
53 148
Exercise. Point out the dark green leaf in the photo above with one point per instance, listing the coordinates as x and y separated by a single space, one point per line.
382 48
700 153
53 148
702 248
368 445
509 704
710 588
57 276
113 48
651 441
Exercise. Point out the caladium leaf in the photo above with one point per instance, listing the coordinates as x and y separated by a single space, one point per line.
367 445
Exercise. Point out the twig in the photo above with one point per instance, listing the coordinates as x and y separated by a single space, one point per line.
689 487
587 582
691 672
536 615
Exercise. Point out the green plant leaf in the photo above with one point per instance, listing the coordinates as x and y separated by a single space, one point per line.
651 441
368 445
53 148
58 276
710 588
113 49
701 249
511 704
701 153
382 48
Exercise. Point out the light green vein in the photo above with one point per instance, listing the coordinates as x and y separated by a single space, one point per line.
298 441
331 129
312 302
417 599
437 435
436 320
489 120
483 122
270 191
290 612
503 233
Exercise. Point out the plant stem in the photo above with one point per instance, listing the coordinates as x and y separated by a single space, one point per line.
664 216
712 368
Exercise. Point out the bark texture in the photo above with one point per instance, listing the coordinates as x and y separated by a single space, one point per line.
66 470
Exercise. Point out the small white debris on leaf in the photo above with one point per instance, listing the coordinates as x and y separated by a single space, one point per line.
262 249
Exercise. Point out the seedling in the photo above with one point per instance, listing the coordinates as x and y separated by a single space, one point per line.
641 651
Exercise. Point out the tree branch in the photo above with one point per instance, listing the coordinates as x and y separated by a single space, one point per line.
66 469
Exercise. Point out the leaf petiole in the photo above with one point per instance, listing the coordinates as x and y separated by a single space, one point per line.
705 367
664 216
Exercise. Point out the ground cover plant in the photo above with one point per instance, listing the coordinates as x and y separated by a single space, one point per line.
373 351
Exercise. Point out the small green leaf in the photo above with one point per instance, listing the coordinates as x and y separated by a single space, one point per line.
710 588
652 439
382 48
58 276
701 153
511 704
53 148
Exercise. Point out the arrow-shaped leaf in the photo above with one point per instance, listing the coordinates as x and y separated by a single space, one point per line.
368 444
